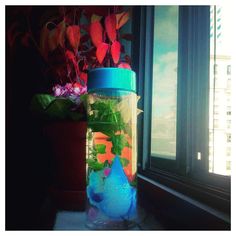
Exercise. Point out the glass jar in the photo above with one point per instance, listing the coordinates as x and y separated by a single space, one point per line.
111 148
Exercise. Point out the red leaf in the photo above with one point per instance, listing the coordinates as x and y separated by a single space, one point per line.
71 57
121 19
124 65
84 76
101 51
73 35
115 51
96 33
110 25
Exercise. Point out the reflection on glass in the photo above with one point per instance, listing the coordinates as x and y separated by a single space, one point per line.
164 93
220 90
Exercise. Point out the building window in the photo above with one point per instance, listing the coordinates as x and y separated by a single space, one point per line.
228 136
216 70
220 55
228 124
228 151
228 165
229 70
216 123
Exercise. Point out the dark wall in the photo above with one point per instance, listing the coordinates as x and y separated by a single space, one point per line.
27 163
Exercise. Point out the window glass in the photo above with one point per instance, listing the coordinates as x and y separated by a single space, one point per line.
164 93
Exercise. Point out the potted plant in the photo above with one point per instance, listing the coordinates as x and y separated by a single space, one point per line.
61 46
70 43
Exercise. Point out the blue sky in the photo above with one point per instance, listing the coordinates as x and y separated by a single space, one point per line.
165 59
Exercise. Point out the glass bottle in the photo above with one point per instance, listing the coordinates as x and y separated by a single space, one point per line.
111 148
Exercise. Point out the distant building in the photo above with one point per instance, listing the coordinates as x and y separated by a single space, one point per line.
220 95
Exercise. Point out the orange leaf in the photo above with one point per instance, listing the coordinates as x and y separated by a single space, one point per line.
43 43
101 51
61 28
96 33
121 19
124 65
53 39
110 25
73 35
115 51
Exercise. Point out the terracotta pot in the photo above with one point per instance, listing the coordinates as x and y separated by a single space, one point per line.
68 144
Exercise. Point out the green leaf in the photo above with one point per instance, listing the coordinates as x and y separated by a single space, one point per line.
84 99
75 115
59 108
118 143
134 182
40 102
101 148
95 165
124 161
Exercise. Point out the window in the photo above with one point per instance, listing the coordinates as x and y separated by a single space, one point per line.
216 123
178 137
228 165
228 138
228 151
164 85
216 69
228 69
228 124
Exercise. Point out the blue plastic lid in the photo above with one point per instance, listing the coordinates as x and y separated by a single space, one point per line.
111 78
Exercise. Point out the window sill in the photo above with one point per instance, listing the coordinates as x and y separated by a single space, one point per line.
179 211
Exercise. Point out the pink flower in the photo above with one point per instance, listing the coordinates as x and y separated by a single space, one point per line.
57 90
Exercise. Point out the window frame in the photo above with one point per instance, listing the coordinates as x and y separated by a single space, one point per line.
186 170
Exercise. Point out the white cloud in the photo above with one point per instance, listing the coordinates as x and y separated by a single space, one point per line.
166 25
164 83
